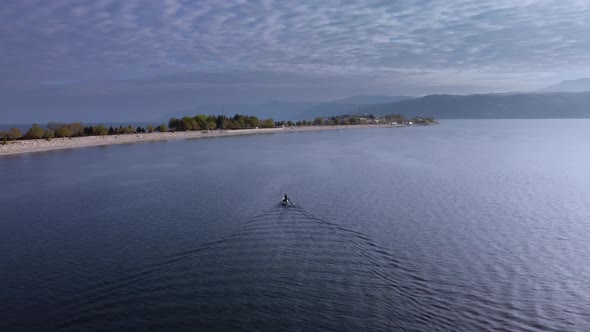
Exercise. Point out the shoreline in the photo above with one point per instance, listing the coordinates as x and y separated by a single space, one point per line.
41 145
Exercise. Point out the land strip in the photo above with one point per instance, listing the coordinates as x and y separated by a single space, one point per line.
39 145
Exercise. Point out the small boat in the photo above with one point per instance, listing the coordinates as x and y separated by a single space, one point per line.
285 201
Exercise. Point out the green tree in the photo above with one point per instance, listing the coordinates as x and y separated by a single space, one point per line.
89 131
101 130
201 121
48 134
162 128
268 123
35 132
397 118
188 123
211 125
175 124
76 129
239 121
252 122
150 128
126 130
63 131
220 120
4 137
15 133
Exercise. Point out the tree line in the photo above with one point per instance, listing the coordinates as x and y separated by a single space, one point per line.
215 122
201 122
238 121
74 129
351 120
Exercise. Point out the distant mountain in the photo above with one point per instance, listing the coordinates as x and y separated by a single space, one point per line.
490 106
579 85
351 105
370 99
478 106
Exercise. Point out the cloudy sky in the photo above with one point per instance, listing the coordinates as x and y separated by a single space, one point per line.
129 59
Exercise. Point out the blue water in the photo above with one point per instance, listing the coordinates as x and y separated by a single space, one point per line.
466 226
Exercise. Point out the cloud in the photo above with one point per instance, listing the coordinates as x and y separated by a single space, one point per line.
452 43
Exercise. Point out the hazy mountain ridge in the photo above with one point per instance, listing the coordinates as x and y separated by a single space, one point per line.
579 85
491 106
370 99
440 106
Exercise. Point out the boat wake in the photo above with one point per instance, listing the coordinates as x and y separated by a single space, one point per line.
280 263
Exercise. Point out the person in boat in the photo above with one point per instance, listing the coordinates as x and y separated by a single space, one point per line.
285 199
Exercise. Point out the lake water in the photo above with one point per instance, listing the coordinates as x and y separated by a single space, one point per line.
465 226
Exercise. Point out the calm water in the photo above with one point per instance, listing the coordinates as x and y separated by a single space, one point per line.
466 226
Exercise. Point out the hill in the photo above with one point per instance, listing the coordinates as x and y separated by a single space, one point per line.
491 106
477 106
579 85
370 99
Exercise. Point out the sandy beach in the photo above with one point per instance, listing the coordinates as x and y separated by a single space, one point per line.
39 145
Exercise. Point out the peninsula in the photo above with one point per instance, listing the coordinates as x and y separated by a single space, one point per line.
75 135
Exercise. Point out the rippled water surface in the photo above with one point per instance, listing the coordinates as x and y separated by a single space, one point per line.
465 226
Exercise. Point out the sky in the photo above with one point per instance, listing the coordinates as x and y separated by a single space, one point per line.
110 60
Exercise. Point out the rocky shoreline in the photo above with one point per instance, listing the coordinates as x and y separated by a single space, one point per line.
39 145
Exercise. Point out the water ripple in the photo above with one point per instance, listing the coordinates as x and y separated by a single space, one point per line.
283 260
